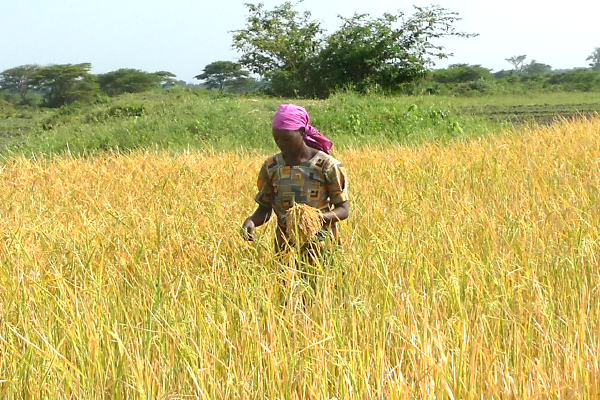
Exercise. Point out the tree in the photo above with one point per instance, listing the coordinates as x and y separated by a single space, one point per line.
536 68
66 83
280 45
461 73
595 59
517 62
126 80
19 80
167 79
242 85
502 74
388 50
291 50
585 80
220 74
281 39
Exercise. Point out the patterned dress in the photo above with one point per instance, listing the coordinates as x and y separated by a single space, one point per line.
320 183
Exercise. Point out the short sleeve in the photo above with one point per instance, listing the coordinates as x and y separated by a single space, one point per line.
336 183
265 194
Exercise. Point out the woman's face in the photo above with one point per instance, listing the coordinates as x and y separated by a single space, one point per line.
288 141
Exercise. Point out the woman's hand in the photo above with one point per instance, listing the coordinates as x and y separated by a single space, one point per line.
340 212
259 217
248 229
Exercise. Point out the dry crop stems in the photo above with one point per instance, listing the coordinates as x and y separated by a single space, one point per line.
303 223
470 270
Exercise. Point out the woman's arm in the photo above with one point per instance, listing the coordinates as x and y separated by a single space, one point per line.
335 184
259 217
340 212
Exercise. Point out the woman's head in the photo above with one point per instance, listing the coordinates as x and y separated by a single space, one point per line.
289 141
290 117
291 129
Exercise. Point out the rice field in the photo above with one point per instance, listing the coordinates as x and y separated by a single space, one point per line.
467 271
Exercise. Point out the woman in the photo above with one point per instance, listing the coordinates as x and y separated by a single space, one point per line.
303 172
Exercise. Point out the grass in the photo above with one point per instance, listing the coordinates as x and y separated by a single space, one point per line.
183 119
533 98
468 270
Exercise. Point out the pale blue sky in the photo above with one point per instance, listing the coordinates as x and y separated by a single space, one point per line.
182 36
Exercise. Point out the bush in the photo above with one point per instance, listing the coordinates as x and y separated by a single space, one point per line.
127 110
127 81
461 73
118 111
11 98
584 80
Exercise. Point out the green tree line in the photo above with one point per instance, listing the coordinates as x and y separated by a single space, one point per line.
292 56
393 53
465 79
61 84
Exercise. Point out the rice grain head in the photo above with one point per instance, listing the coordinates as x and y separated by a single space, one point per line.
303 223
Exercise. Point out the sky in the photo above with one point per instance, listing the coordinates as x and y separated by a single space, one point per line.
183 36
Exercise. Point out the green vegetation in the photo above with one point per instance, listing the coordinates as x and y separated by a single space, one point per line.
595 59
127 80
473 80
182 118
294 54
374 72
65 84
223 74
61 84
18 80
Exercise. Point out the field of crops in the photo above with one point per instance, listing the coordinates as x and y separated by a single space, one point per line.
467 270
542 114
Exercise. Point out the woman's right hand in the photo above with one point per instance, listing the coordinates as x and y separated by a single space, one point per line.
259 217
248 229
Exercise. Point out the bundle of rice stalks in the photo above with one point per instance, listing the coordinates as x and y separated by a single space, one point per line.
303 223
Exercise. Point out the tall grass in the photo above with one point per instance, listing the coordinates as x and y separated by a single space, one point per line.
467 271
184 119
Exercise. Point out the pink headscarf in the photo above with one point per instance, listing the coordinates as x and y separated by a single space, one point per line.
292 117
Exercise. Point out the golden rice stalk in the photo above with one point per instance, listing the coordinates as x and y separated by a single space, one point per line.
303 223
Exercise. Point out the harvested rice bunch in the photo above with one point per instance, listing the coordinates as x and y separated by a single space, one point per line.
303 223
